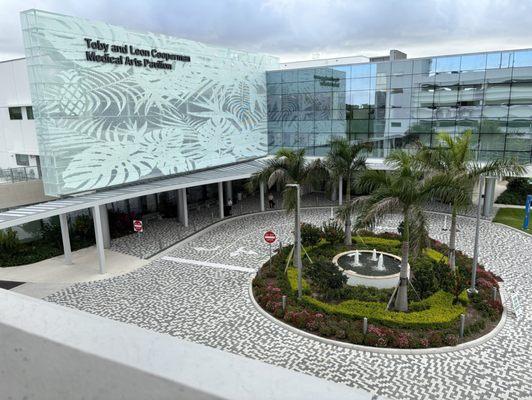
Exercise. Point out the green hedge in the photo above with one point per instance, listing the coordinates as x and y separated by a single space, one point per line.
291 274
441 313
436 255
377 242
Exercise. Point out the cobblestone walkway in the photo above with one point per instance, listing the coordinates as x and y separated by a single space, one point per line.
210 305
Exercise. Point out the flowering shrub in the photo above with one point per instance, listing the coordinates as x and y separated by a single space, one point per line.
451 340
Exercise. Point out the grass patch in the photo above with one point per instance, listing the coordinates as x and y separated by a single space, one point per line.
513 217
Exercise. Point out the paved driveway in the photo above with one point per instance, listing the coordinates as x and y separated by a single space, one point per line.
199 292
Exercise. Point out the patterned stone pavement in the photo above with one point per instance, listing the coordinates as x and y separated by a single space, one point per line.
211 306
161 234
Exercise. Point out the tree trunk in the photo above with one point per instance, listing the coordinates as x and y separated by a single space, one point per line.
452 241
401 299
348 239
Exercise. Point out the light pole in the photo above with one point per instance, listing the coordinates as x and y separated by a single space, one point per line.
473 289
297 240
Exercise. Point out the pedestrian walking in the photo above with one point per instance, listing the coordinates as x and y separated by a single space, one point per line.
271 202
230 207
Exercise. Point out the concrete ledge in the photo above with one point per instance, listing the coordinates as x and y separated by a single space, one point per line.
53 352
370 349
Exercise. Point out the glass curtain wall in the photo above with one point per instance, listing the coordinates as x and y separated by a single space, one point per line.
393 104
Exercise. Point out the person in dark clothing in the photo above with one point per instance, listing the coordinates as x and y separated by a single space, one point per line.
271 203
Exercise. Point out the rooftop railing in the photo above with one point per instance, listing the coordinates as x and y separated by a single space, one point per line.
19 174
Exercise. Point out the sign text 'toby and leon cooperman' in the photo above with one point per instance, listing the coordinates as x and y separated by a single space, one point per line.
132 51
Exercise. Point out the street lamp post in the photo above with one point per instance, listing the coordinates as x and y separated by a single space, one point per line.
297 240
473 289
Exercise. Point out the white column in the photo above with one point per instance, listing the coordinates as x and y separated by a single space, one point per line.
105 227
261 194
66 238
182 207
334 193
340 191
96 215
221 198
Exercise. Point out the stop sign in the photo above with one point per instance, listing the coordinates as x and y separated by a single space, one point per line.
137 225
269 237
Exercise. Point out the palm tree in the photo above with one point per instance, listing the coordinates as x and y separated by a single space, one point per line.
346 160
288 166
405 189
454 159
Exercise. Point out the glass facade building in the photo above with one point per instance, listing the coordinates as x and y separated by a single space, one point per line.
393 103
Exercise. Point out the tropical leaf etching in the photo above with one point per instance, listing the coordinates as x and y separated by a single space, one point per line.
103 124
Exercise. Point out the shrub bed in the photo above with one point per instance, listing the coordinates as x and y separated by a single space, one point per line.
332 309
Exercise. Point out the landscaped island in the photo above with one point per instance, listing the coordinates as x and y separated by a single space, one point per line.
333 309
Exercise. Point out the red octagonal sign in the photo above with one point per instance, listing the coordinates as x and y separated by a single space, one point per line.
270 237
137 225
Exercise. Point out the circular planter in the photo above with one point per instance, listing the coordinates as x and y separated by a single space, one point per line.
382 350
378 281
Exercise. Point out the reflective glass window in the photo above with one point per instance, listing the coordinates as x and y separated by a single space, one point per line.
492 141
521 111
358 98
342 71
522 74
448 64
273 77
289 76
363 70
401 81
403 67
499 60
305 86
423 66
523 58
15 112
305 74
521 93
362 83
473 62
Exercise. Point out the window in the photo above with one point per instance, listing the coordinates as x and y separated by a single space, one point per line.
22 160
396 124
15 112
29 112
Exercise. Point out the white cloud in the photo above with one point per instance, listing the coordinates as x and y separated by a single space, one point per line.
295 29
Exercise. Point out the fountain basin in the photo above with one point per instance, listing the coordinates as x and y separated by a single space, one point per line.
368 273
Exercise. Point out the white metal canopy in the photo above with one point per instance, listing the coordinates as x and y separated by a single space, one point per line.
48 209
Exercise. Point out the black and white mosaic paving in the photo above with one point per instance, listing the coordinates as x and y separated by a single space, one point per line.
206 301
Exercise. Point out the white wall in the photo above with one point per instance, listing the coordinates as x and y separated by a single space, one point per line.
54 352
16 136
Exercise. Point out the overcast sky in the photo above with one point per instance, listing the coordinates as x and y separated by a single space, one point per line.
302 29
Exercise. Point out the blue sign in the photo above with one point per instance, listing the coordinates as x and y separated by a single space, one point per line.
527 211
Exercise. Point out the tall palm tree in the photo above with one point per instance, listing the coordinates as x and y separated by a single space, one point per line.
454 159
288 166
346 160
405 189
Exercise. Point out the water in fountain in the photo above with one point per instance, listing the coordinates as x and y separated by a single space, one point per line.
380 263
374 255
356 262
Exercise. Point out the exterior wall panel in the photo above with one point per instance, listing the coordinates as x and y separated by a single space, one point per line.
101 124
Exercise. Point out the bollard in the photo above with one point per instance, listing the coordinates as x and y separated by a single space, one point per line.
284 302
494 292
462 325
365 326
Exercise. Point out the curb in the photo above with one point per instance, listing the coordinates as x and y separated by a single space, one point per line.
511 227
369 349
